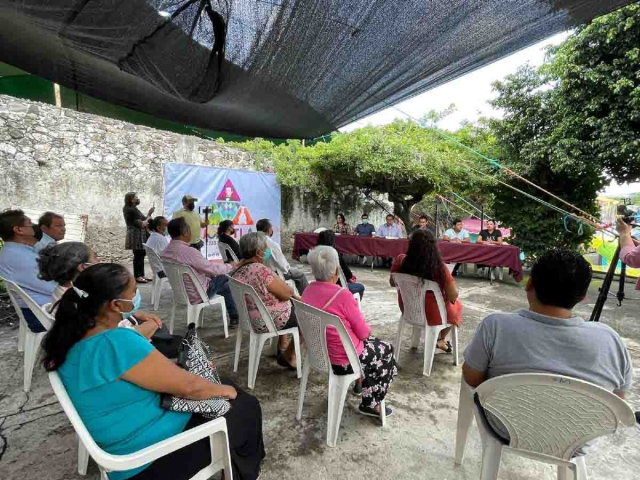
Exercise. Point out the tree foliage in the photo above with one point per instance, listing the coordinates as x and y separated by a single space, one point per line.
403 160
567 126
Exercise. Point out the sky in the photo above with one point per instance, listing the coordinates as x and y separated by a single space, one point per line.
471 94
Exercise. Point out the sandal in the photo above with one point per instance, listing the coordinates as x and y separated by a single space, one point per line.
283 362
449 348
141 280
370 412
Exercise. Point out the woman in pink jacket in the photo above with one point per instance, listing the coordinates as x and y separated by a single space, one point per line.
376 356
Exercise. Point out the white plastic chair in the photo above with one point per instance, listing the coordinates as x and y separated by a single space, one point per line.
548 418
314 323
156 266
226 252
28 341
216 430
413 291
176 273
240 292
345 284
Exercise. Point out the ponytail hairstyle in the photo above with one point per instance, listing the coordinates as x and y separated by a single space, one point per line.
78 308
155 222
59 263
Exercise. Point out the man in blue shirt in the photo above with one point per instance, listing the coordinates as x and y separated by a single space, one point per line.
365 229
19 262
53 229
389 229
457 234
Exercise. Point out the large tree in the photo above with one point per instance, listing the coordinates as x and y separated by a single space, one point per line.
402 160
568 126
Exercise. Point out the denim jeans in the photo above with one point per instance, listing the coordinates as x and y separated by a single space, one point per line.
220 286
356 288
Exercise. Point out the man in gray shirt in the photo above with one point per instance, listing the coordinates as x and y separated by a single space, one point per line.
548 338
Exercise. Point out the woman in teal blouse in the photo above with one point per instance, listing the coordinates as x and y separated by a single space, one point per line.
115 377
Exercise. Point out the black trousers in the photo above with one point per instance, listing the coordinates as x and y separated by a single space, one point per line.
244 426
138 263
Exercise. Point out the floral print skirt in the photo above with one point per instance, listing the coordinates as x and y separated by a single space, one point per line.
378 369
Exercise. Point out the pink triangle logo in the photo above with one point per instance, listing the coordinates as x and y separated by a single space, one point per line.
229 193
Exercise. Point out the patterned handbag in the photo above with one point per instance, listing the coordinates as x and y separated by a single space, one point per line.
193 356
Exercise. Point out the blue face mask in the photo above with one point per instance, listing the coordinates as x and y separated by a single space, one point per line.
365 221
267 254
136 301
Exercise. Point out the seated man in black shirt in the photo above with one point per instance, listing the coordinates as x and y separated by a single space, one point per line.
491 234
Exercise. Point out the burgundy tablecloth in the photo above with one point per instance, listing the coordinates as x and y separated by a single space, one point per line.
492 255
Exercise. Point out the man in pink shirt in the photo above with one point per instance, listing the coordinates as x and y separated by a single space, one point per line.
210 275
629 249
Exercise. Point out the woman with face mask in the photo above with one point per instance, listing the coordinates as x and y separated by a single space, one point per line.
225 235
272 290
137 224
115 377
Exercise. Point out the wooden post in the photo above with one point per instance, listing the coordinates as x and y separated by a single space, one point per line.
56 92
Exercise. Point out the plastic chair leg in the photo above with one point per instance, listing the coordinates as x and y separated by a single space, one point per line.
398 345
430 342
465 420
296 344
383 413
565 473
29 358
454 337
173 317
491 456
303 386
22 333
83 459
337 394
255 352
581 468
225 319
415 336
157 291
236 360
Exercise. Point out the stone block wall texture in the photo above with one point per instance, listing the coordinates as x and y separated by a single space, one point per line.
74 162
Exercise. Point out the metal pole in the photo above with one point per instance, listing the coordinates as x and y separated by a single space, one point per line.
482 217
437 211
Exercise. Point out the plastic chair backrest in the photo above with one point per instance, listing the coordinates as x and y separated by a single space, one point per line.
241 293
552 414
343 279
413 291
72 414
226 252
154 259
15 293
176 273
313 323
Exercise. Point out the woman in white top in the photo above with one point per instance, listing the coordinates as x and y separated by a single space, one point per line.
157 241
62 263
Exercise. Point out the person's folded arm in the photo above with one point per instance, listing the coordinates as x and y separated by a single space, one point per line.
477 354
280 289
158 374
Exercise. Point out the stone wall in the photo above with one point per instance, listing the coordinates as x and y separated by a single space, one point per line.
73 162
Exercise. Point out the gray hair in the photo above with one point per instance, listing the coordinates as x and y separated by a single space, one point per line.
251 243
324 262
59 263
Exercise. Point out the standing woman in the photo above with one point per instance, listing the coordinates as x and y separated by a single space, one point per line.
136 233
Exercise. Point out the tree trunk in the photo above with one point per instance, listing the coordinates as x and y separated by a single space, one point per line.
402 208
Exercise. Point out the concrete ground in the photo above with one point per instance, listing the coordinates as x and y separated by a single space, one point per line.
37 441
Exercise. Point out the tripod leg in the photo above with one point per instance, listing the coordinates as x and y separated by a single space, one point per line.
606 285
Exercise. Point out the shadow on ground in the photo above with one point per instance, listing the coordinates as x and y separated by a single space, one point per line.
37 441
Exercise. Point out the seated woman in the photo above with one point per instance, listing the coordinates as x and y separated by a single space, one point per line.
272 290
423 260
328 238
225 232
115 377
376 356
158 241
341 226
62 263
